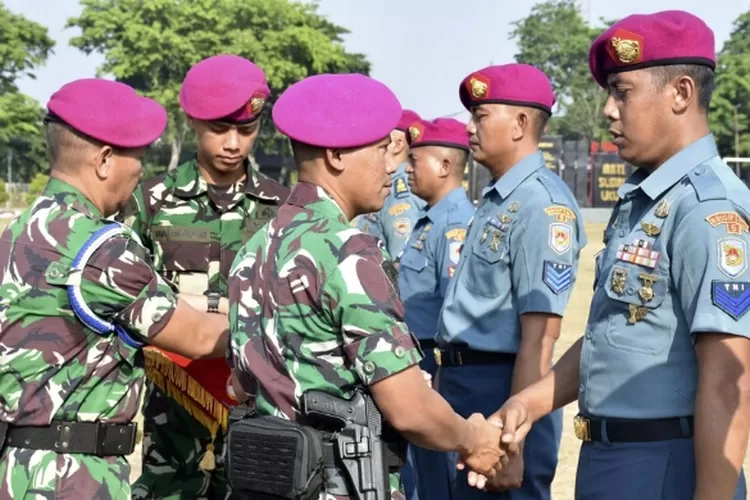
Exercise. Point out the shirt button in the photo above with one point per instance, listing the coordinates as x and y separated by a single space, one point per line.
400 352
631 290
156 317
699 171
369 368
621 234
582 389
589 334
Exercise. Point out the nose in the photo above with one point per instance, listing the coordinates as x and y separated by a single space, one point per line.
232 140
471 127
390 164
610 109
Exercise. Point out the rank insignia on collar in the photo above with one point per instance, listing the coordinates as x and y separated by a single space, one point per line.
401 186
734 222
732 297
558 276
662 209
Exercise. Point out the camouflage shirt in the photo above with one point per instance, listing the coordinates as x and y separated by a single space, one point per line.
51 365
195 229
313 305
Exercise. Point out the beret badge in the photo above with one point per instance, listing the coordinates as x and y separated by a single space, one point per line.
627 51
414 133
478 88
257 103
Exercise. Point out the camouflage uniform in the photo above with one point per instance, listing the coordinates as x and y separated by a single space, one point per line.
54 368
313 305
193 231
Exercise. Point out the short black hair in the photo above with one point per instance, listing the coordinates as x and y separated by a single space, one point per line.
703 76
540 120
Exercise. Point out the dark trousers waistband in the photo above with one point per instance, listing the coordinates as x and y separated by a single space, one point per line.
632 431
462 355
90 438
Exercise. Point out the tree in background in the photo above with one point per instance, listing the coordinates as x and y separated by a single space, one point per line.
151 44
730 107
555 38
24 45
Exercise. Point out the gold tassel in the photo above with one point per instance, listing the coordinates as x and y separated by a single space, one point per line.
208 462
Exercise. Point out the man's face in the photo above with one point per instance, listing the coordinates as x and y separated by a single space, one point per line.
490 132
639 113
368 176
222 146
424 169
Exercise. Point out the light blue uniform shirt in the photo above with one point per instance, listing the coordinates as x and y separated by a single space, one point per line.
394 222
429 260
675 265
520 256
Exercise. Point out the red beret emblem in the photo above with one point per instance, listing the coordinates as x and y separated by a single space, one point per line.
415 131
478 86
256 104
626 47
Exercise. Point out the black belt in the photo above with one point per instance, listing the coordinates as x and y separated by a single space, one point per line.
89 438
632 431
456 355
427 344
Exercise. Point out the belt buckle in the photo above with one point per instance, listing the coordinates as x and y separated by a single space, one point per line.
582 428
438 356
116 439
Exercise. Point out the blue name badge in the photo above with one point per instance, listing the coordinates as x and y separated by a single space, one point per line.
558 276
732 297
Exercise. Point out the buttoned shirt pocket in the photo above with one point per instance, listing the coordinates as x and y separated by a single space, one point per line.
639 321
414 261
486 270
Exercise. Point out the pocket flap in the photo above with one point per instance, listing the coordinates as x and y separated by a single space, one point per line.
414 261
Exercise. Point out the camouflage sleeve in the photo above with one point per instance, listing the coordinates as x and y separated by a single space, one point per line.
364 296
135 215
120 285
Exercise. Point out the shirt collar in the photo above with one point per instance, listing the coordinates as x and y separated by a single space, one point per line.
189 183
315 198
671 171
65 194
506 184
444 204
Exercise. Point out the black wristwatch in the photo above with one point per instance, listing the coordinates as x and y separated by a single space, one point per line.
213 302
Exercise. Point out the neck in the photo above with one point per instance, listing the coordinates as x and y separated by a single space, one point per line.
682 138
62 174
218 178
311 175
504 164
442 192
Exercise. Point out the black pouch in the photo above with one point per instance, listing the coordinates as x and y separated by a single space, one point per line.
273 458
3 434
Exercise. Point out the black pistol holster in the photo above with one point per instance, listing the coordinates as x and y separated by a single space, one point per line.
338 444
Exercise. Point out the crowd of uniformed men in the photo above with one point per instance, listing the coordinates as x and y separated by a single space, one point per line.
376 273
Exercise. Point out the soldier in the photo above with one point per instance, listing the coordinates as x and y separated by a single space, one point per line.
79 299
439 150
504 306
314 302
662 374
394 222
193 220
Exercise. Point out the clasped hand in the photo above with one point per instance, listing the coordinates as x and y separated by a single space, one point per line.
487 455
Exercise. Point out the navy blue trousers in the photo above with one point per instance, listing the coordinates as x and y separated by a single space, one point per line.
663 470
483 389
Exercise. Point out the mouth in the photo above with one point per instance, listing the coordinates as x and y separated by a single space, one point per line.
616 136
231 160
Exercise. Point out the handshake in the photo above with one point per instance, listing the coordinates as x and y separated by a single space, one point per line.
494 459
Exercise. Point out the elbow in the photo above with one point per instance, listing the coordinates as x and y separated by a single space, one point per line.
732 394
406 422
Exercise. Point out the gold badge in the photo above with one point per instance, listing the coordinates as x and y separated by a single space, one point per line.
414 133
401 186
256 104
497 237
505 219
485 233
662 210
456 234
734 222
398 209
561 214
627 50
581 428
478 88
646 293
618 281
637 313
513 208
650 229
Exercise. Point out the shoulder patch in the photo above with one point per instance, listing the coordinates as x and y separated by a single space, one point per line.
559 237
455 251
458 234
402 226
732 297
560 213
732 252
732 220
398 209
558 276
401 188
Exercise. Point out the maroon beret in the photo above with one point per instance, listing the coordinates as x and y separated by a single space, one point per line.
224 87
407 118
110 112
445 132
337 111
514 84
647 40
